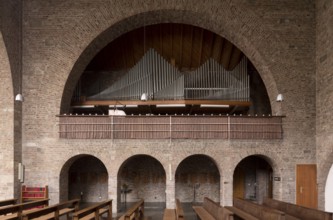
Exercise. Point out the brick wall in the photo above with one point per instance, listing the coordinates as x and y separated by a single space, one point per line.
324 102
61 37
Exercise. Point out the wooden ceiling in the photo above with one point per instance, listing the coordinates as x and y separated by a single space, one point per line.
185 46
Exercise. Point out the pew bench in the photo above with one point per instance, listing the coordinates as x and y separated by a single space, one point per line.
169 214
8 202
179 210
54 211
136 212
298 211
260 211
95 211
240 214
174 214
16 211
211 210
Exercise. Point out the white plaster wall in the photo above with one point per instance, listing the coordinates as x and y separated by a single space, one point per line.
329 191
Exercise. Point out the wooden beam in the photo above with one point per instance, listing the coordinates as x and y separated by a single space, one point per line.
158 102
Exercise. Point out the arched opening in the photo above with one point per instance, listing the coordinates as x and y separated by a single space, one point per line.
252 179
329 191
84 177
197 177
141 177
175 69
11 121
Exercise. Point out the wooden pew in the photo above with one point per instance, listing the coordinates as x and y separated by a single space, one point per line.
136 212
54 211
169 214
298 211
260 211
179 210
15 211
240 214
8 202
95 211
174 214
211 210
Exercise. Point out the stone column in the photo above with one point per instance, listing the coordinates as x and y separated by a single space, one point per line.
170 188
226 190
112 190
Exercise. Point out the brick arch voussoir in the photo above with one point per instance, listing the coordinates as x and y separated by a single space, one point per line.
270 157
122 161
210 157
237 33
7 113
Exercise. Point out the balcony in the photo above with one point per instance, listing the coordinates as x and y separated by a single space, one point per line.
170 127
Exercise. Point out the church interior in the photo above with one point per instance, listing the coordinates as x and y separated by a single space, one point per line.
167 103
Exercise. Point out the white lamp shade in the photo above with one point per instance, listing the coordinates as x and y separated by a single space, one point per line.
19 97
279 98
144 97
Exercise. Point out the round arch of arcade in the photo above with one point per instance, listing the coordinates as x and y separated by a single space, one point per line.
232 24
7 125
79 173
271 159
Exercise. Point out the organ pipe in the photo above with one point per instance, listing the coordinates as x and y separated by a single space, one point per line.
159 79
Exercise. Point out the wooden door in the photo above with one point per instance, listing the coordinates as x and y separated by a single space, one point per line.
306 185
239 183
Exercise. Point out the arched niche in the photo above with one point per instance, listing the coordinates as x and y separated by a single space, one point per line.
84 177
141 177
197 176
252 179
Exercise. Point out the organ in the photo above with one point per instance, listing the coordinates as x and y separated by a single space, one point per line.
154 81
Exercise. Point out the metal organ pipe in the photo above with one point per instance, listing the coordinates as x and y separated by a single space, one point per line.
155 76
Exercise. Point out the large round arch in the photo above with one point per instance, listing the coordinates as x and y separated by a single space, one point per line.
145 16
197 176
7 127
85 177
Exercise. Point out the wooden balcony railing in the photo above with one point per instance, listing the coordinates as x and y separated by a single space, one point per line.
170 127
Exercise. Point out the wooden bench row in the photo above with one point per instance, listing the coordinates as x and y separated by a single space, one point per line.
8 202
296 211
174 214
270 210
17 210
277 210
95 212
135 212
260 211
54 211
26 211
211 210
